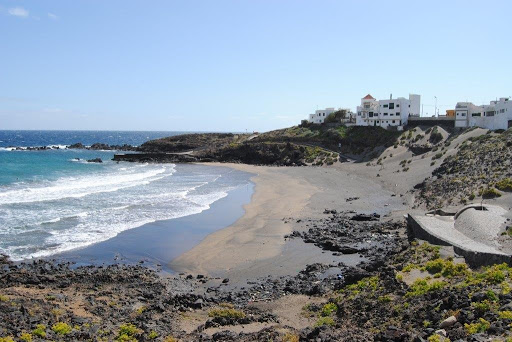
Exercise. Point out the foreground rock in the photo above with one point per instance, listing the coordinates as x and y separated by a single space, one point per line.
401 292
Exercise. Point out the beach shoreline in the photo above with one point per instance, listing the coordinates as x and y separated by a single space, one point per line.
284 199
156 243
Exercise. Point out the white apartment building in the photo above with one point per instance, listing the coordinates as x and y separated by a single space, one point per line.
496 115
320 115
387 113
464 110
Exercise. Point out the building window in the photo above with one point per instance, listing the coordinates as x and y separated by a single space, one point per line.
385 114
491 113
393 121
477 114
391 106
397 114
462 114
385 106
397 105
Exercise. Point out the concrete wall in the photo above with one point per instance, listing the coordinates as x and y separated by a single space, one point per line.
415 102
445 122
474 259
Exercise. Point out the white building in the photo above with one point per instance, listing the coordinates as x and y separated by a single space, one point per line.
387 113
320 115
496 115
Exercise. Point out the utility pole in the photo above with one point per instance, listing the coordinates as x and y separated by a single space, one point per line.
435 108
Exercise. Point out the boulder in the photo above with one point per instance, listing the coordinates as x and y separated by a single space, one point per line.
448 322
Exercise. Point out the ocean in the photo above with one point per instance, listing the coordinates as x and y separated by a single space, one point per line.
53 201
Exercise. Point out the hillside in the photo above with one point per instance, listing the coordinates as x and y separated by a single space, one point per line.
298 145
354 140
480 169
188 142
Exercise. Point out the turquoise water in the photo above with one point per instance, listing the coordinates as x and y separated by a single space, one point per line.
38 166
54 201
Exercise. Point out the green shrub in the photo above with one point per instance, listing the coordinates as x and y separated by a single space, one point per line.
26 337
40 331
437 156
152 335
370 283
421 286
384 299
61 328
484 306
324 321
6 339
227 313
490 193
504 184
494 275
435 266
505 314
491 295
328 309
479 327
127 333
438 338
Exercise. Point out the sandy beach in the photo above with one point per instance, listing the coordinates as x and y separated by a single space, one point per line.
255 245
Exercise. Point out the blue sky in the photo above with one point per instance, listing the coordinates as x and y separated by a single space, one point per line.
237 65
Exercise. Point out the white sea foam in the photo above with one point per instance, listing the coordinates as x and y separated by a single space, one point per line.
60 147
71 187
72 212
52 220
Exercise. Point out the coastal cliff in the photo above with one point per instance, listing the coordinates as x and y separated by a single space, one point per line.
296 146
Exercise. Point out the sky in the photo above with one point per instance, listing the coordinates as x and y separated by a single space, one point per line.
240 65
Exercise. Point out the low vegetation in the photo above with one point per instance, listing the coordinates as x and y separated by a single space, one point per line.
481 167
226 313
439 288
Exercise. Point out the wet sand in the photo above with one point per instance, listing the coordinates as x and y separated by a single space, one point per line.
255 245
159 242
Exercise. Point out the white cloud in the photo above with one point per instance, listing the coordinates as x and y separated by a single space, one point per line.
18 12
52 16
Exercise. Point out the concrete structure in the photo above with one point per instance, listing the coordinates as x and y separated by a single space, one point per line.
447 122
387 113
496 115
473 232
320 115
463 110
450 112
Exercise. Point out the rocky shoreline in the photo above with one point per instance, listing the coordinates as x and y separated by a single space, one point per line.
97 302
392 295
